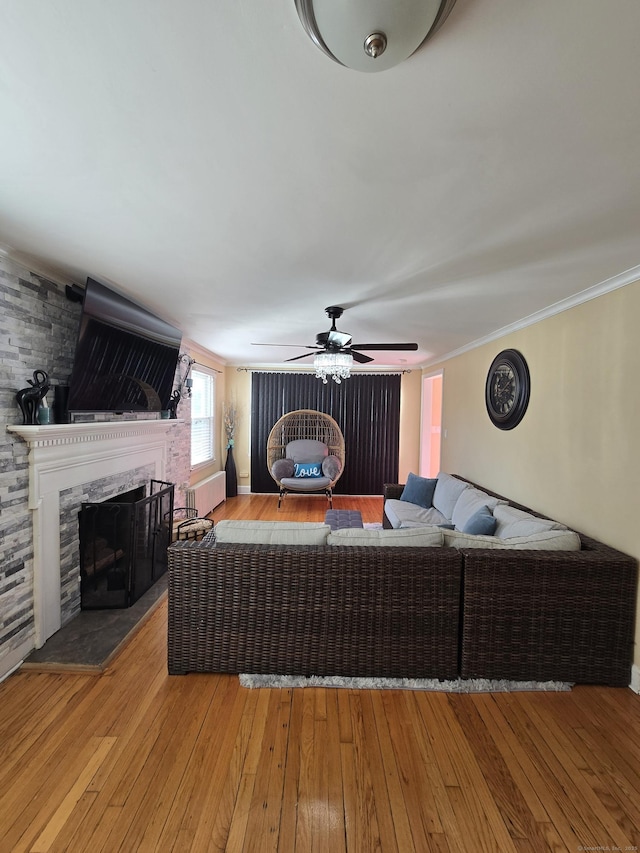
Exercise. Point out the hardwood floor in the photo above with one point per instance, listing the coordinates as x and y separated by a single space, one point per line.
135 760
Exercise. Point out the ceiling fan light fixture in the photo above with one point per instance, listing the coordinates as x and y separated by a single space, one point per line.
336 365
371 36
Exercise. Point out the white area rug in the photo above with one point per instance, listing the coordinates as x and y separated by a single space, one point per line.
372 525
459 685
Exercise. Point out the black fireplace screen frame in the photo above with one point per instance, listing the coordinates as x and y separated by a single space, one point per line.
123 546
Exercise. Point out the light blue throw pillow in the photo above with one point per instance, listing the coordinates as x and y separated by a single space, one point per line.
307 469
481 523
418 490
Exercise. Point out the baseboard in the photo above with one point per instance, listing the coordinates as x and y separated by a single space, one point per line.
244 490
15 659
635 678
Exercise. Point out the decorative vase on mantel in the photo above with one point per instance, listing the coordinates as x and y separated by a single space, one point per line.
230 471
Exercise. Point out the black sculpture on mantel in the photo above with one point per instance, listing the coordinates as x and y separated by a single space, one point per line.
29 398
173 404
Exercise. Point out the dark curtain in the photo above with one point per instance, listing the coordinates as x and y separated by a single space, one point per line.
366 407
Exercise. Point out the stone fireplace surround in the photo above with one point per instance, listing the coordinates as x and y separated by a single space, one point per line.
63 457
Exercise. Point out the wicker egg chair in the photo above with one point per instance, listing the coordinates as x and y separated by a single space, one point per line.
316 434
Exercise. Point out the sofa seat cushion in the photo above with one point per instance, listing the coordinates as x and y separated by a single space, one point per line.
271 532
470 501
401 513
448 490
515 522
418 537
546 540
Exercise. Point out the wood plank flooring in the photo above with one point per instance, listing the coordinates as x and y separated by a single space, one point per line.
135 760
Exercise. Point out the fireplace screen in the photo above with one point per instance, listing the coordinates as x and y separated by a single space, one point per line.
123 545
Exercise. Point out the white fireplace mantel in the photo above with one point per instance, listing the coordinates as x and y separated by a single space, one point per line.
62 456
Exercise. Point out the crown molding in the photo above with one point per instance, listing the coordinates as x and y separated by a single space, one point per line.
629 276
35 265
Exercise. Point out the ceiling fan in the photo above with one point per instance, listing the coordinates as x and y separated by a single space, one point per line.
335 341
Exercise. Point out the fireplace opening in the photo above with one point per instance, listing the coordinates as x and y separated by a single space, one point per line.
123 545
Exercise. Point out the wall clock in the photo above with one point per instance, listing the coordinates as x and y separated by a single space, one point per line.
507 389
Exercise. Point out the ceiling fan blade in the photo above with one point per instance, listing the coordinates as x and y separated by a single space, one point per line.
297 357
298 346
360 358
385 346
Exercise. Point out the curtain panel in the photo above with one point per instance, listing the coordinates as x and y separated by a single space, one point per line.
366 407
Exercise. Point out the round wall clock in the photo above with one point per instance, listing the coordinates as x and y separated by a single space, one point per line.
507 389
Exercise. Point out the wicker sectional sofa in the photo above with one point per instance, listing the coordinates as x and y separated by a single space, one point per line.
314 610
430 612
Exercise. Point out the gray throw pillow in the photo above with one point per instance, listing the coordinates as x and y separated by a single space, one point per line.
481 523
418 490
331 467
282 468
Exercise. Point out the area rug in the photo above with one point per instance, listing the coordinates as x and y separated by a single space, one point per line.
372 525
459 685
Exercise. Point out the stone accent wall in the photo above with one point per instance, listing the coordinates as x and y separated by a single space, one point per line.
38 330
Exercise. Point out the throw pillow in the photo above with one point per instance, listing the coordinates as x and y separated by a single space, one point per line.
307 469
331 467
418 490
481 523
282 468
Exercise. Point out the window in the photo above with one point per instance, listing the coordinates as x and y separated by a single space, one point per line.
203 398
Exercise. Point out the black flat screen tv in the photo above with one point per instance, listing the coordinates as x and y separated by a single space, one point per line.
125 357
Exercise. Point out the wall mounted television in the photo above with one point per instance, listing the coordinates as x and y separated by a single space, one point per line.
125 358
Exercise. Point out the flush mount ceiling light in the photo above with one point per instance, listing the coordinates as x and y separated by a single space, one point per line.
371 35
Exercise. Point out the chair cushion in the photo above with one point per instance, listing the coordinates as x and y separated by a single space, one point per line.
307 450
306 484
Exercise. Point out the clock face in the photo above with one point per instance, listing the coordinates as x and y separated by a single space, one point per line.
507 389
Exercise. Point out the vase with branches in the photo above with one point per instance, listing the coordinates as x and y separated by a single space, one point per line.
230 422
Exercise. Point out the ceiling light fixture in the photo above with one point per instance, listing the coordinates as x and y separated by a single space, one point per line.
371 36
337 365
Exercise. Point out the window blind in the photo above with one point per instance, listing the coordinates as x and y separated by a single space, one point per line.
202 417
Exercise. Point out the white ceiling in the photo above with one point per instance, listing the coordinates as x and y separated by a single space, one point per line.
209 161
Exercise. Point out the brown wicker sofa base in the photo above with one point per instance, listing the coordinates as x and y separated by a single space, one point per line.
314 610
547 615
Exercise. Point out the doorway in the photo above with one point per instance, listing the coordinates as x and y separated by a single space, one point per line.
431 426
